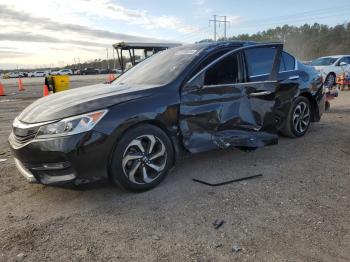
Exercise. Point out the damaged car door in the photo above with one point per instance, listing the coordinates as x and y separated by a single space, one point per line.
230 102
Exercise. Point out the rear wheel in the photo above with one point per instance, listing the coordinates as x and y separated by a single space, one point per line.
298 119
142 158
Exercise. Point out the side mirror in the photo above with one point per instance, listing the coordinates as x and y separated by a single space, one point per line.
343 64
195 83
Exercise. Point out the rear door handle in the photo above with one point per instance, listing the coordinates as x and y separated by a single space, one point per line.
264 93
293 77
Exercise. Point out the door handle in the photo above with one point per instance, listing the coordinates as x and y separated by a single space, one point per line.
293 77
264 93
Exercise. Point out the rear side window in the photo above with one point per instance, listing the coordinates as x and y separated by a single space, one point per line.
259 60
287 62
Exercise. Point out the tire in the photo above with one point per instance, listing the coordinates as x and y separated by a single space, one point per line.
330 80
136 171
298 119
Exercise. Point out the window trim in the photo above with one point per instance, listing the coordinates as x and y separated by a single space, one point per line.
240 84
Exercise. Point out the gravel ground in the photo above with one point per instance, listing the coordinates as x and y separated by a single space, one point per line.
298 211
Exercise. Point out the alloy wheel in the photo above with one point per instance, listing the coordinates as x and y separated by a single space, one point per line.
301 117
144 159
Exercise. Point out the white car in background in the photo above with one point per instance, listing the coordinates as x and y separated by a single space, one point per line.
331 67
13 75
38 74
62 72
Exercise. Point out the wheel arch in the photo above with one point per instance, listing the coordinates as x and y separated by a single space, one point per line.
157 123
313 103
331 73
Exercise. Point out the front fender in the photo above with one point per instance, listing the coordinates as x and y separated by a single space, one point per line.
157 108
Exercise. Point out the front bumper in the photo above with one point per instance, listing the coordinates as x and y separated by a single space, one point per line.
61 160
25 172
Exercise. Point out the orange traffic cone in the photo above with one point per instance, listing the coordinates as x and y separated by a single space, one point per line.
20 85
46 91
2 90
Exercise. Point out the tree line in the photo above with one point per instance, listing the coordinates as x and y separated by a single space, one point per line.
306 42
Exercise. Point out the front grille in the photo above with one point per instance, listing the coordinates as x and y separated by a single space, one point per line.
24 139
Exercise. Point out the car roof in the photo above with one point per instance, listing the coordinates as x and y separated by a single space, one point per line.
223 44
136 45
332 56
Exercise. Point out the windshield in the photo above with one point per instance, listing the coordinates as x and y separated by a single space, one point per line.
324 61
161 68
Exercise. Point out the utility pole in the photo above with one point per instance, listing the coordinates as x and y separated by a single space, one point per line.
113 58
225 28
107 59
216 21
214 27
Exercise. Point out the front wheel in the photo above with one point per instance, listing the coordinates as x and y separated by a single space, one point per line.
142 158
298 119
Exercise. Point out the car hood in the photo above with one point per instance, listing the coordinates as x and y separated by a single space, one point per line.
79 101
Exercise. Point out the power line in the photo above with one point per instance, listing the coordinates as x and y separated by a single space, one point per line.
272 21
296 20
216 21
305 13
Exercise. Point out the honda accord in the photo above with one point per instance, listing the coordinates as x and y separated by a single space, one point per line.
184 100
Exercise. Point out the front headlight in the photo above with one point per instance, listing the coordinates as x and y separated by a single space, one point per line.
71 125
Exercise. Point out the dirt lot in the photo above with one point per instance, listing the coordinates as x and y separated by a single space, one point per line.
298 211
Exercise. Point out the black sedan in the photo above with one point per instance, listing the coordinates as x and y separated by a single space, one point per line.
187 99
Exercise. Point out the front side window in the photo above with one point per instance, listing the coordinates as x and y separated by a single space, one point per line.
259 60
225 71
211 58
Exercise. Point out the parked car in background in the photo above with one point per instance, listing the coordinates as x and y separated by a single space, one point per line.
25 74
13 75
186 99
106 71
331 67
117 71
89 71
38 74
62 72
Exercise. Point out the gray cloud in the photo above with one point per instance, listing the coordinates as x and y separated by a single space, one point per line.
26 37
36 38
9 14
10 54
75 48
8 48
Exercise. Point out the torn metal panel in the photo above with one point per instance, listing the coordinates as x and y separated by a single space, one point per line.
237 115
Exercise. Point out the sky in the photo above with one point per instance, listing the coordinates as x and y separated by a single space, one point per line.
42 33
